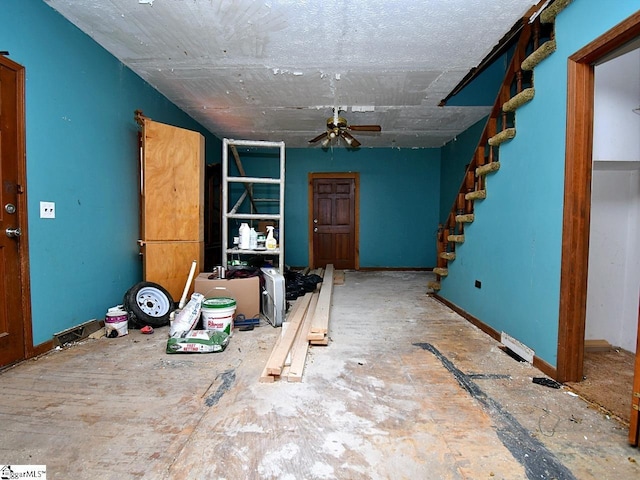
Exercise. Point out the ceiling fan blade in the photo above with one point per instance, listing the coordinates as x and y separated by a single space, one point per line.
350 139
319 137
365 128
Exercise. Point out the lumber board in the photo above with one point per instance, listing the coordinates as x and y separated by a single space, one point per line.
320 323
301 346
315 336
281 350
265 377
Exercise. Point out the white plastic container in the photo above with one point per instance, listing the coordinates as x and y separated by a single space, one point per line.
253 239
116 319
218 313
245 236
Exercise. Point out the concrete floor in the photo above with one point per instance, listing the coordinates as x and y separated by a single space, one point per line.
406 389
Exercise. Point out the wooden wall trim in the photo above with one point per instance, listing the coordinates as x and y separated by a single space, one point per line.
492 332
540 364
25 276
577 195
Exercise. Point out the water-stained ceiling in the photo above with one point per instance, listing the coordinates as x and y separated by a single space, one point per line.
275 69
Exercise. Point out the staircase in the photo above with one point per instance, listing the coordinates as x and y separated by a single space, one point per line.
536 42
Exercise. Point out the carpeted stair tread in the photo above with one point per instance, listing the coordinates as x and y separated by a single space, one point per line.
466 218
456 238
488 168
549 14
543 51
501 137
433 285
518 100
477 195
443 272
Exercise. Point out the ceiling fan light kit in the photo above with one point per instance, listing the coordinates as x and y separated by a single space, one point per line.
338 127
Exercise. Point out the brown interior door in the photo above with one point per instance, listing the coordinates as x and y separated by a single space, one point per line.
334 220
634 424
13 297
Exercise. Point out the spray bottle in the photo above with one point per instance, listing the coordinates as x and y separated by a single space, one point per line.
271 241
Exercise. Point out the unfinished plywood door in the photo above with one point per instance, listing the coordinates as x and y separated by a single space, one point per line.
172 203
15 329
334 220
173 183
634 424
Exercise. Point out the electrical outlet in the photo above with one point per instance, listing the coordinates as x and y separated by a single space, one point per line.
47 210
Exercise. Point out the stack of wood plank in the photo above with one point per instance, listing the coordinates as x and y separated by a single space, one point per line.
307 324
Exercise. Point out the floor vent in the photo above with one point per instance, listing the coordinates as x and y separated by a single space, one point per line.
511 353
518 348
74 334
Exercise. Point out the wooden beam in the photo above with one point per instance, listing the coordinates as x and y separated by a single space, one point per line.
300 347
320 323
281 350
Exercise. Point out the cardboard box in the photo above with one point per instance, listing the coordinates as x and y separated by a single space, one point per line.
246 292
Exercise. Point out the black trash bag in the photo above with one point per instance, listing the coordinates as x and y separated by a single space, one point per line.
297 284
311 282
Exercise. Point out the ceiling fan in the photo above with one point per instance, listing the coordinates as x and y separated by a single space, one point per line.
338 127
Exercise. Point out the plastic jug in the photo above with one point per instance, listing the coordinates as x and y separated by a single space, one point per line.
244 236
253 239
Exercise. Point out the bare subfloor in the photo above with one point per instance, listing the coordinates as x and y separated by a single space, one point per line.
406 389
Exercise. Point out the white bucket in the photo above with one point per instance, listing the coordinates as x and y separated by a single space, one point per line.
218 313
118 320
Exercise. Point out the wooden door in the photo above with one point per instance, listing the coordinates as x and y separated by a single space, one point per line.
634 424
172 204
334 220
15 324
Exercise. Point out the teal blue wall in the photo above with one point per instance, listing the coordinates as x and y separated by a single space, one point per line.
456 155
399 201
82 155
514 246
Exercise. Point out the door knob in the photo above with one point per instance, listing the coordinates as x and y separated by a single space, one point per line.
315 220
315 229
13 232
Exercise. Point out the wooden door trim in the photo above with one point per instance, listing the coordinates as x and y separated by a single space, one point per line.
29 349
634 424
355 176
577 195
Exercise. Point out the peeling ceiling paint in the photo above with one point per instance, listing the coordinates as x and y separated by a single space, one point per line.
274 70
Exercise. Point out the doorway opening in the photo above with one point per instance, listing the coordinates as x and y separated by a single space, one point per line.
579 171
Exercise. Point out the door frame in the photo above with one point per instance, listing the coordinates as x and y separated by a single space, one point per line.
23 250
577 195
355 176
